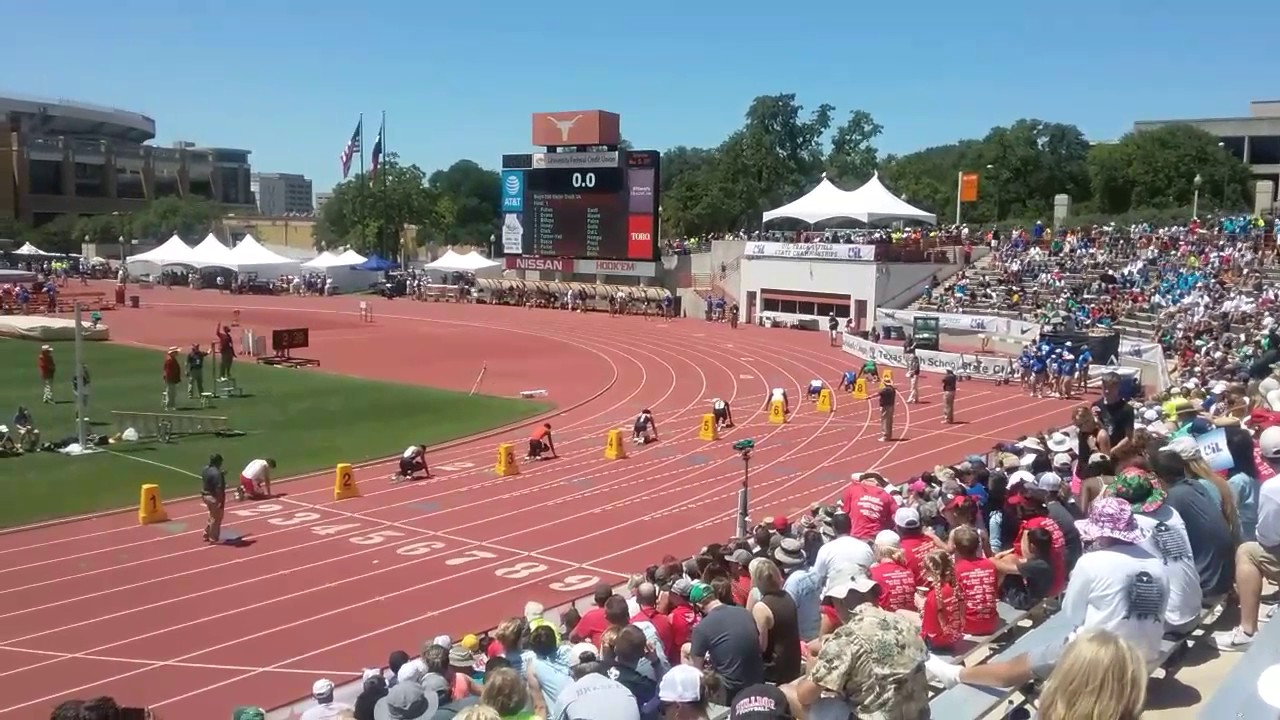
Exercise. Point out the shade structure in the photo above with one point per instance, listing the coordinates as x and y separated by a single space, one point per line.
325 259
250 256
874 203
171 252
824 202
210 252
351 257
377 264
29 249
472 262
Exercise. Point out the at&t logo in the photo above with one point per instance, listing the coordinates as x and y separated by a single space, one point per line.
513 185
512 191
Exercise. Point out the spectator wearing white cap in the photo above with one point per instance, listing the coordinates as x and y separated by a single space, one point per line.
325 708
911 538
682 694
897 582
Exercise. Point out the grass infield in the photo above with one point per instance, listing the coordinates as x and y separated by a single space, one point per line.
307 420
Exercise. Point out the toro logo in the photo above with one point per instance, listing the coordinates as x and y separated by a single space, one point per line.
539 263
642 237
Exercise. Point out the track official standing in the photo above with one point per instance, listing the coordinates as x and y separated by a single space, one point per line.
888 395
949 397
214 494
913 372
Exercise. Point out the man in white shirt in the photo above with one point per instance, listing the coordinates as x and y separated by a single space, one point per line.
326 708
255 480
1259 558
412 460
844 558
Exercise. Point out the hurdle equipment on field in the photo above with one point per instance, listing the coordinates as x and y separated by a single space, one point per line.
614 448
344 482
527 394
150 509
506 466
707 430
366 311
167 425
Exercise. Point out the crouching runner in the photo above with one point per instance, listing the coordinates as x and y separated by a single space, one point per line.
540 441
412 461
645 430
722 412
255 480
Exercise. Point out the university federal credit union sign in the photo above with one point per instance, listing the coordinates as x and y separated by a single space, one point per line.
811 251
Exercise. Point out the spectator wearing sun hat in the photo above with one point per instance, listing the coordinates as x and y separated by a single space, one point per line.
801 585
325 708
172 374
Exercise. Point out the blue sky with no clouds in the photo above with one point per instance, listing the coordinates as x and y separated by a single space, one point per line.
459 79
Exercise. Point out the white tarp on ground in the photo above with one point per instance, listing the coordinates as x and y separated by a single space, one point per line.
249 255
29 249
171 252
873 203
212 253
48 329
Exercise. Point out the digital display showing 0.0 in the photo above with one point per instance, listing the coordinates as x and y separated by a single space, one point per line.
576 180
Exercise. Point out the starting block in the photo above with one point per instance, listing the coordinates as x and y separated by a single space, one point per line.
150 509
707 430
777 412
613 446
860 389
824 401
506 466
886 376
366 311
344 482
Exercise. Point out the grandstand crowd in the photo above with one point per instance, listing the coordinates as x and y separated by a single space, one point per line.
1145 522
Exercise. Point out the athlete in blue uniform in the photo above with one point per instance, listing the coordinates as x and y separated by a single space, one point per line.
848 379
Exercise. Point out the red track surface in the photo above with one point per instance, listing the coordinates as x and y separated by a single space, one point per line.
154 617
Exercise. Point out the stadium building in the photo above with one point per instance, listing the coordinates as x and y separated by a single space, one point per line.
65 158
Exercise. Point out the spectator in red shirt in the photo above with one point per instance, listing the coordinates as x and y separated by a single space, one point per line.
1034 515
172 376
682 616
593 623
941 610
647 598
897 582
915 544
976 579
48 368
739 560
868 505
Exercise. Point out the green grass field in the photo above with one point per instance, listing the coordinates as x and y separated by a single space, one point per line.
306 419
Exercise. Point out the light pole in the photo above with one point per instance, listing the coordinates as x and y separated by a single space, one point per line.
993 167
1195 199
744 448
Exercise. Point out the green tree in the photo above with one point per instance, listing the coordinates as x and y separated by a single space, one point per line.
189 218
466 204
366 212
1157 168
58 235
853 159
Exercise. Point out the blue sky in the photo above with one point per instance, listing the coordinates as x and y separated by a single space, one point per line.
459 79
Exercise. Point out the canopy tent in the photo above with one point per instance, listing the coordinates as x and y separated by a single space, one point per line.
212 253
472 262
351 257
377 264
171 252
29 249
873 203
342 270
480 262
250 256
824 202
868 204
325 259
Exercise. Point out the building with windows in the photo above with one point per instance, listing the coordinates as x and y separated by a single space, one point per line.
321 199
1254 138
279 194
63 158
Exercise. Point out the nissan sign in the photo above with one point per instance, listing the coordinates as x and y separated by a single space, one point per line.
520 262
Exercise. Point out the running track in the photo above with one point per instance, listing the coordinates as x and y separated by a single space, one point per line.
152 616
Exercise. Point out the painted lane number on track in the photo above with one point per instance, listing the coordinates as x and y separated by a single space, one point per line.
520 570
456 466
262 509
297 519
574 583
377 537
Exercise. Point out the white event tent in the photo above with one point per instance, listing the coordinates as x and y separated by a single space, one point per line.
250 256
171 252
212 253
340 267
870 203
472 262
29 249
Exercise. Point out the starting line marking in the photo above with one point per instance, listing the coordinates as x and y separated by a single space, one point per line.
139 661
746 377
746 359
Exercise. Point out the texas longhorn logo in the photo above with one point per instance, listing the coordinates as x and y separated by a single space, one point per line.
564 125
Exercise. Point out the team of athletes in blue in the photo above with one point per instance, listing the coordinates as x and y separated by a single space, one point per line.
1056 370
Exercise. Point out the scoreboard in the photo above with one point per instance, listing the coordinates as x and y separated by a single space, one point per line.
597 205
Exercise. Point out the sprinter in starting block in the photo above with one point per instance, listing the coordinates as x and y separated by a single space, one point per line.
255 480
412 461
540 442
778 394
722 413
847 380
816 387
870 371
645 430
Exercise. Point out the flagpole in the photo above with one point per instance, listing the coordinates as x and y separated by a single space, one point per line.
382 137
360 125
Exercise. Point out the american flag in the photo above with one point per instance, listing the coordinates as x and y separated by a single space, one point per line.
352 149
375 156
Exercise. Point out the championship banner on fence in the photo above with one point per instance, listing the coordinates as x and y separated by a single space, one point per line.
978 366
811 251
955 322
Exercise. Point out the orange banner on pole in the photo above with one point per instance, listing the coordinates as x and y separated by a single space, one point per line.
969 187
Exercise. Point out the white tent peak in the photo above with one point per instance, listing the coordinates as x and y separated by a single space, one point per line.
823 202
210 252
451 261
351 257
874 202
29 249
870 203
171 252
250 254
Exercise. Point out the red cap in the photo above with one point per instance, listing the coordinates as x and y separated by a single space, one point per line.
781 523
